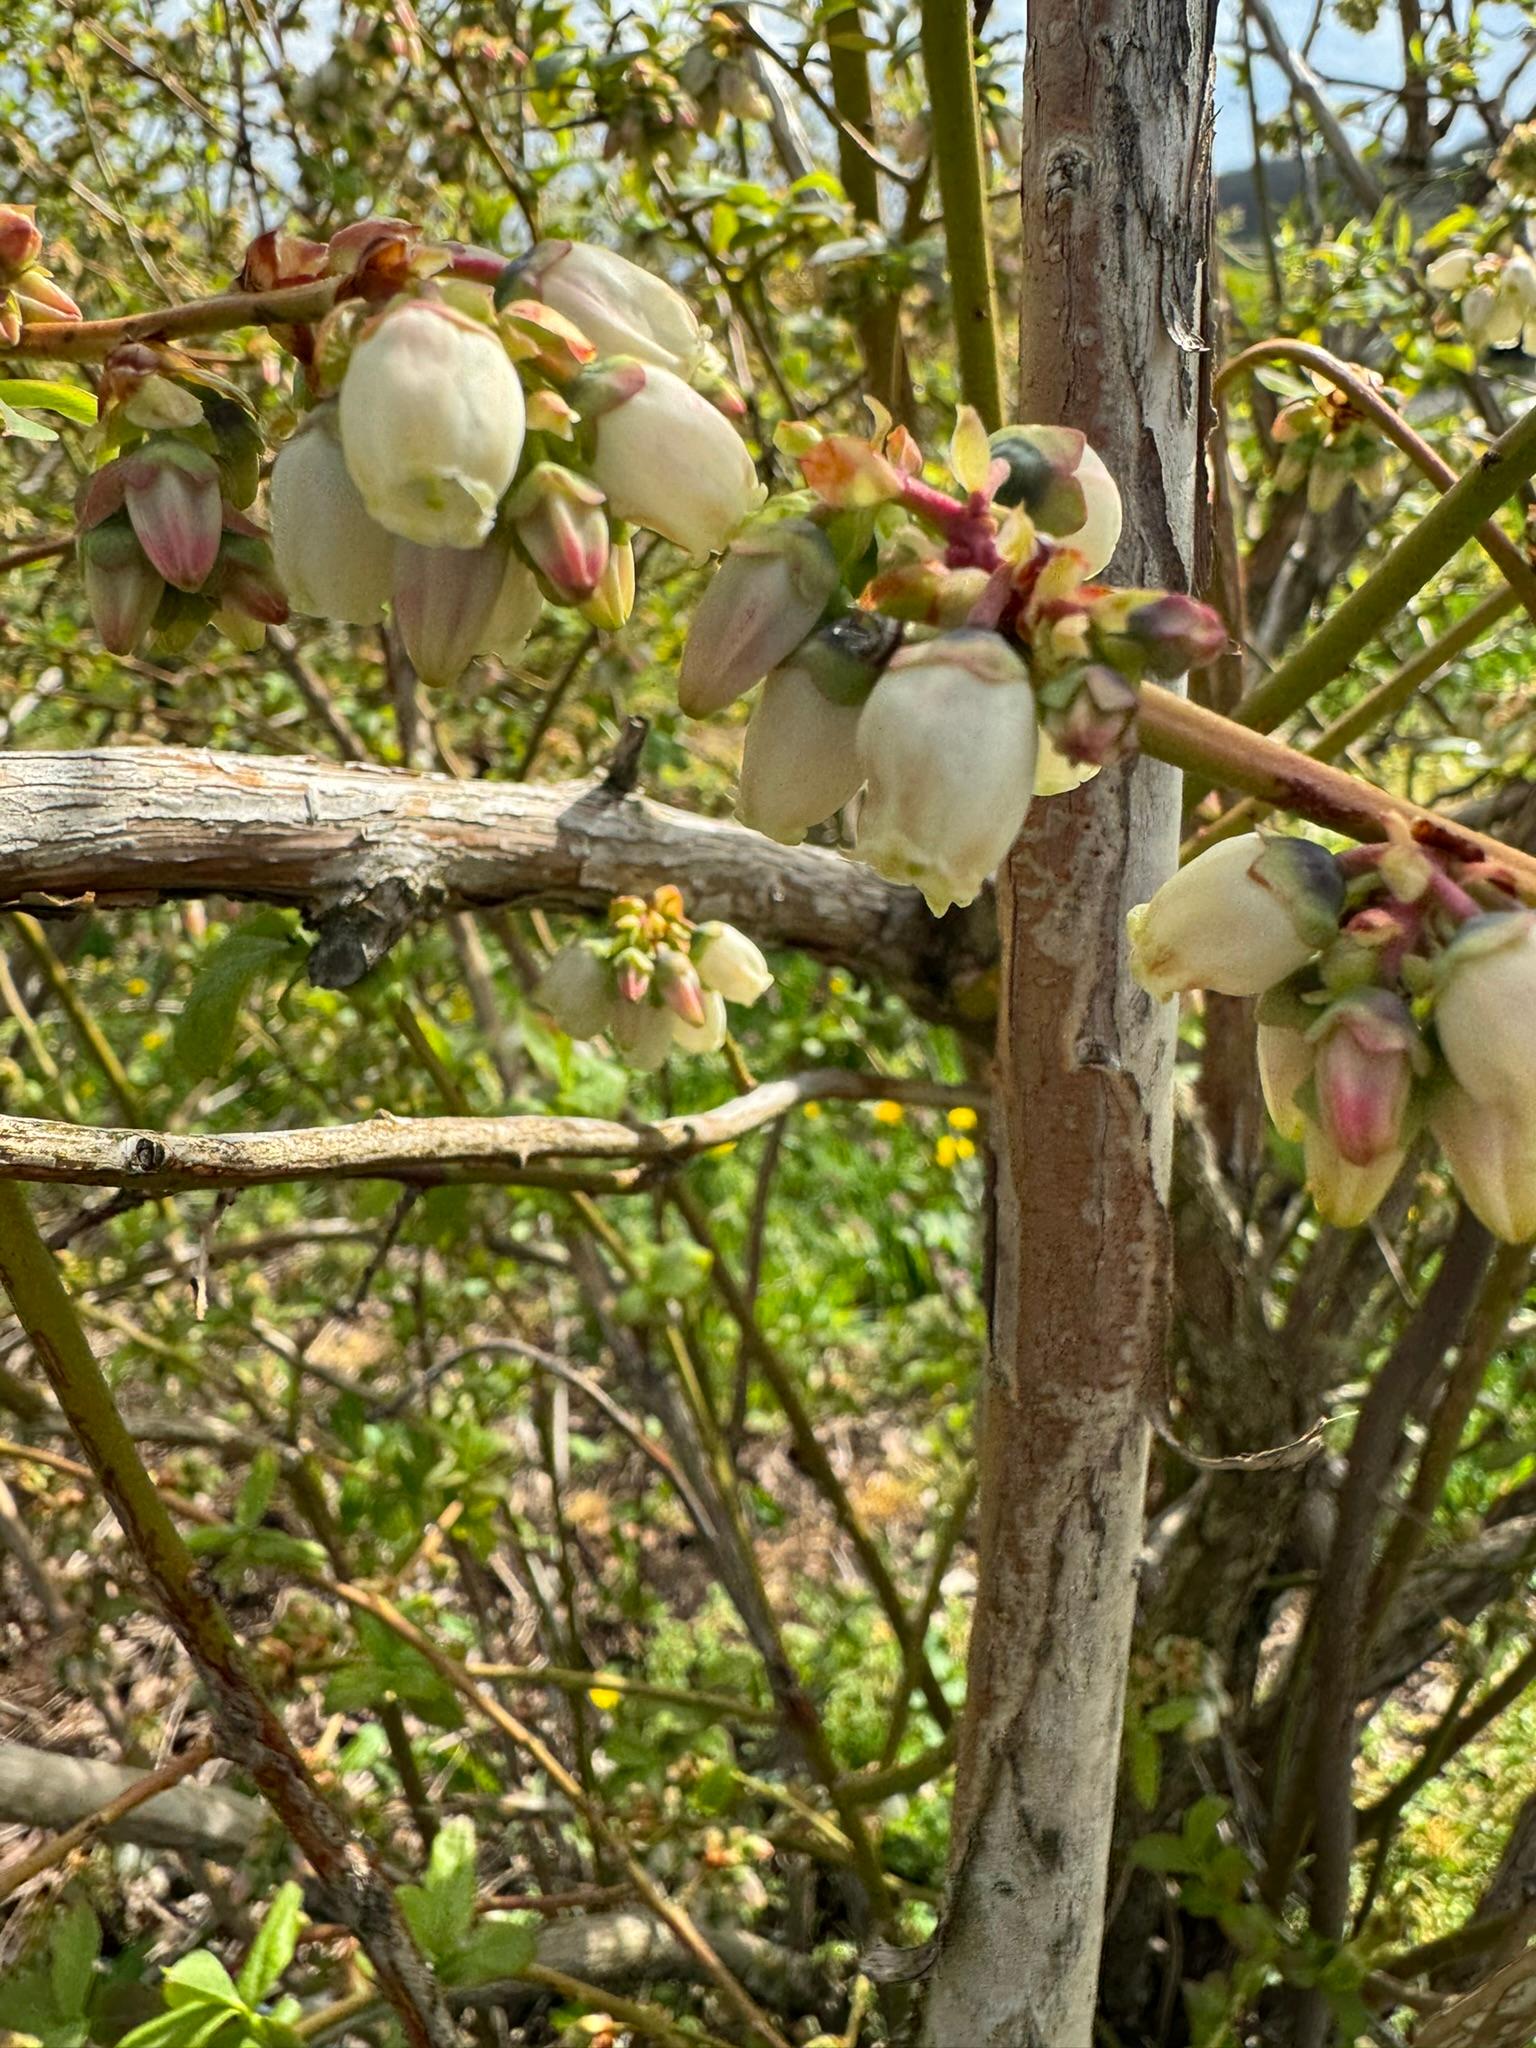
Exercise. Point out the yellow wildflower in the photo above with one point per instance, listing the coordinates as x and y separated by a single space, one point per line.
887 1112
961 1119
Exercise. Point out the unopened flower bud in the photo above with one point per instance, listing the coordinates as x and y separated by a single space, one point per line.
21 243
632 974
39 297
431 423
445 600
1286 1059
678 985
245 581
709 1034
667 460
766 596
644 1032
518 609
1345 1194
1243 915
1485 1012
122 587
1096 722
625 310
334 561
560 521
576 988
1063 486
926 591
1490 1147
1158 633
1367 1054
729 963
1451 272
180 616
947 744
171 490
614 598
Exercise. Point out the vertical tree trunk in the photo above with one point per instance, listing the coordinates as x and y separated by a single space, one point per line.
1116 204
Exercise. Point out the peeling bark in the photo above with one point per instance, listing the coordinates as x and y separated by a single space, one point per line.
1115 211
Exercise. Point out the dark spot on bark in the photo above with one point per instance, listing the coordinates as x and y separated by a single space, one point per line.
145 1155
1051 1844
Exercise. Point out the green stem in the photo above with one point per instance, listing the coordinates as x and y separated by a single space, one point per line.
1419 555
879 322
251 1733
956 117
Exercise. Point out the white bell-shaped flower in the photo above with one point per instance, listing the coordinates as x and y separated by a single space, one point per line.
332 559
1286 1059
729 963
1345 1194
800 761
666 459
947 744
432 423
576 988
623 309
518 608
1243 915
1485 1012
1491 1150
706 1036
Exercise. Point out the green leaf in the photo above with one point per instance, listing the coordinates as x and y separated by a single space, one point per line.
1163 1852
70 401
72 1951
503 1945
17 425
272 1950
256 1494
1202 1821
441 1912
205 1030
179 2028
200 1979
1146 1759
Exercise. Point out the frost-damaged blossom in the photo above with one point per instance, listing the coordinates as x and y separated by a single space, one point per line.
666 459
334 560
1242 916
432 423
946 743
656 983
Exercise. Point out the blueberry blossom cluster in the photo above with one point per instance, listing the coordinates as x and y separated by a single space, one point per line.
1493 293
27 290
1397 992
939 656
1325 441
485 437
654 981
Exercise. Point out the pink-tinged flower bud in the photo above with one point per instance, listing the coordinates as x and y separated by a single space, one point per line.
1490 1147
1063 486
445 600
625 310
431 423
1367 1054
1090 715
122 588
644 1032
1345 1194
20 241
40 297
667 460
766 596
1243 915
678 985
730 964
333 560
709 1034
1485 1012
1286 1059
576 989
560 520
518 609
614 598
244 581
632 974
171 490
1158 633
947 744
